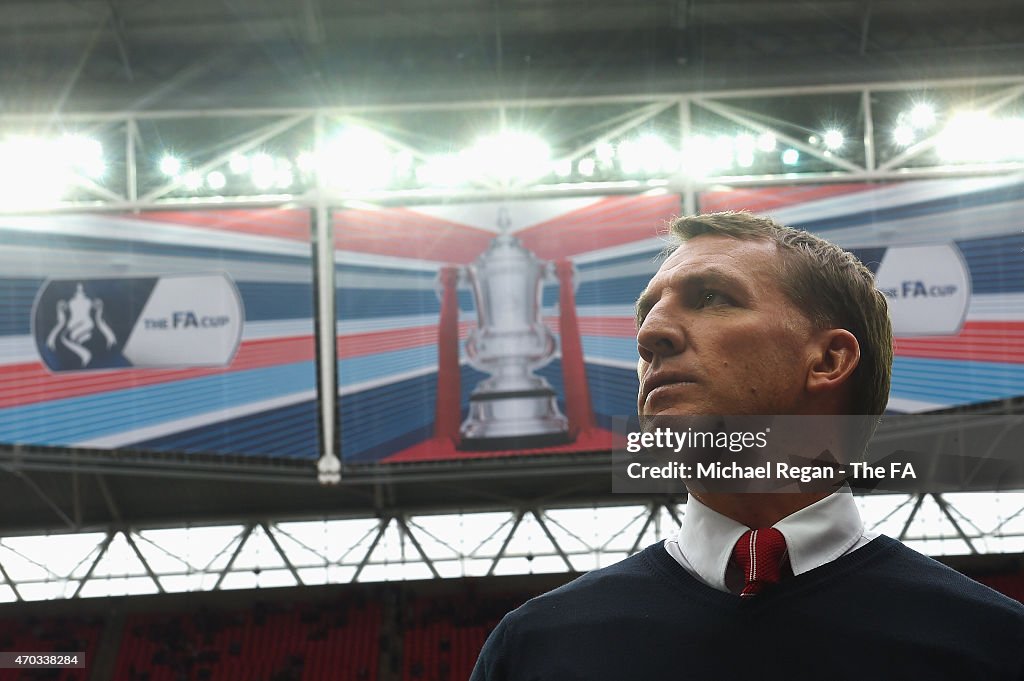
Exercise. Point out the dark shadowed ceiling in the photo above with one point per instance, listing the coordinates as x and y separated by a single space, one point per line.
148 54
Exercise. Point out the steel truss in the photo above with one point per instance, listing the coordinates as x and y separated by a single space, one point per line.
125 558
399 546
578 127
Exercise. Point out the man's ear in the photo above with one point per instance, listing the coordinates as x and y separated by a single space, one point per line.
836 355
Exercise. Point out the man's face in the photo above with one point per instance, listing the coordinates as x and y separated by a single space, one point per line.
718 336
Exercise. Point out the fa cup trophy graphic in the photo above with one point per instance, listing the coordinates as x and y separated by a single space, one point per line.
513 407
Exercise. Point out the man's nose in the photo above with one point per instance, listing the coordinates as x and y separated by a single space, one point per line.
661 334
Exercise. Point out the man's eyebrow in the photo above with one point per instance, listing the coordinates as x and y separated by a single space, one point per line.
642 306
712 276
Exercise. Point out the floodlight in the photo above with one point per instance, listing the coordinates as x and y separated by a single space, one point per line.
192 180
903 135
261 164
403 162
32 172
445 170
766 142
605 153
216 180
82 153
791 157
745 159
586 166
508 155
703 155
306 161
284 178
977 136
356 159
170 165
833 139
262 170
922 116
744 142
238 164
563 167
648 154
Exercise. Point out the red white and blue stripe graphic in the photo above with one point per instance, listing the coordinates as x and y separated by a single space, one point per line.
983 360
388 306
262 403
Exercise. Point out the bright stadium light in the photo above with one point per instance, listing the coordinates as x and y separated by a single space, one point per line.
216 180
977 136
562 167
261 163
507 156
356 159
192 180
605 153
445 170
903 135
833 139
648 154
170 165
285 178
32 172
238 164
703 155
922 116
84 154
969 136
745 144
262 170
790 157
403 163
586 166
306 162
766 142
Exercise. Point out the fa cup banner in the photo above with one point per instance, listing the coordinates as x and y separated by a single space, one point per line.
168 321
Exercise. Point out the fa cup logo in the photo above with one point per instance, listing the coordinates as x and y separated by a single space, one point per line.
78 319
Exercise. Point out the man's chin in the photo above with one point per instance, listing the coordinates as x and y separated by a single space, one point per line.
679 418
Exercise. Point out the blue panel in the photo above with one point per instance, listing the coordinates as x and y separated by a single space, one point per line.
289 432
16 297
996 263
275 300
381 421
613 391
605 347
354 370
648 257
67 421
616 291
361 303
958 382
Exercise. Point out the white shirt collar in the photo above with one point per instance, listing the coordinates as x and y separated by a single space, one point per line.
815 535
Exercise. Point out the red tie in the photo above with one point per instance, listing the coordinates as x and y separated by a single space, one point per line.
761 554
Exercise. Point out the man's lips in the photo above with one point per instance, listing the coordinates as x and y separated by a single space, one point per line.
664 381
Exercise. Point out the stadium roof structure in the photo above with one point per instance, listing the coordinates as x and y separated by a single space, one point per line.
219 77
110 55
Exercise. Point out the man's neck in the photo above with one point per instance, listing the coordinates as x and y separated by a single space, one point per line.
756 510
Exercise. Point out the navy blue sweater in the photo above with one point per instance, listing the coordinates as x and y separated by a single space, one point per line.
882 612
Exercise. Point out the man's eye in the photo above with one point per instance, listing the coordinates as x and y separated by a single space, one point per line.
710 298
